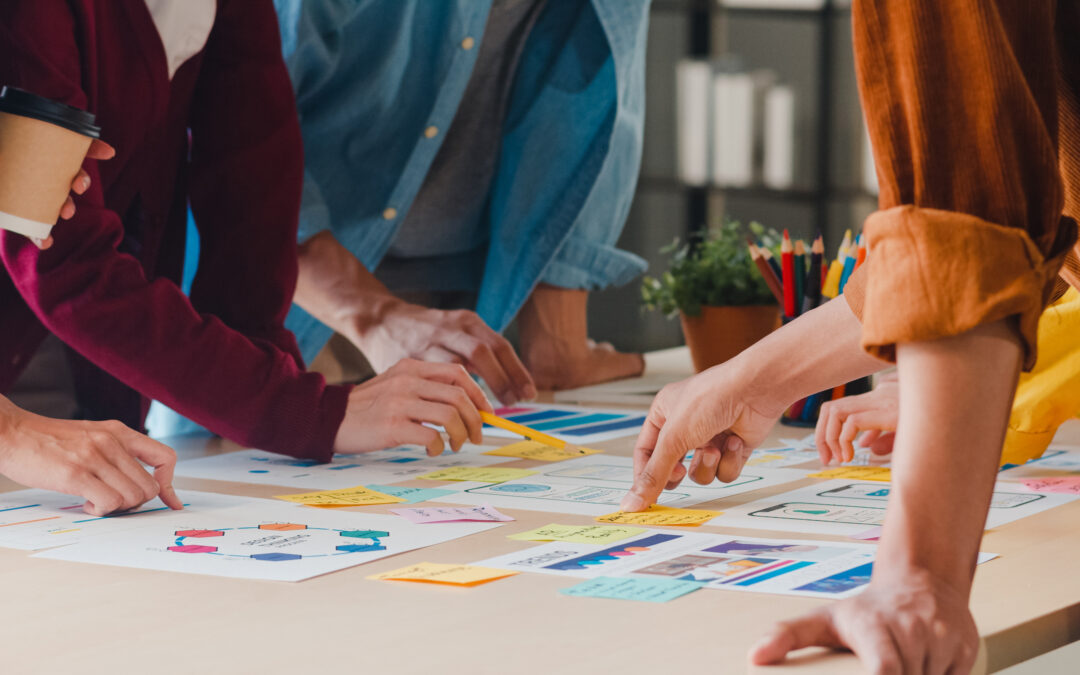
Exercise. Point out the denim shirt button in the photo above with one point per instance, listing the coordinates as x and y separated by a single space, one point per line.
431 132
468 43
389 213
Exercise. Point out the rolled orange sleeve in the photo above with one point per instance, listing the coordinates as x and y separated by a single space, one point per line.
961 101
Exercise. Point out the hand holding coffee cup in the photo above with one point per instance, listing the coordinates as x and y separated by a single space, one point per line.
42 146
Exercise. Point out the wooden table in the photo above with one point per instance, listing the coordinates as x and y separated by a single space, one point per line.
67 617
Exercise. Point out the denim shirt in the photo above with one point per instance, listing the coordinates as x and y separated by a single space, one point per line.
371 76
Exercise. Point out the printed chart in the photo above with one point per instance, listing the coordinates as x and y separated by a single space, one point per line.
717 561
848 508
260 539
391 465
594 486
573 424
32 520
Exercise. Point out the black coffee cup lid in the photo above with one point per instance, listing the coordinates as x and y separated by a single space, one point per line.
19 102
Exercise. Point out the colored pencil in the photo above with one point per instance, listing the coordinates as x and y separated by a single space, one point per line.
771 259
787 258
533 434
767 273
849 267
831 289
800 275
813 283
860 257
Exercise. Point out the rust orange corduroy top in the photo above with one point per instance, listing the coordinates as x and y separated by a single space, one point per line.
974 116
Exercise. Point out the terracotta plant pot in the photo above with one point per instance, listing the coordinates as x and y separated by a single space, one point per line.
719 333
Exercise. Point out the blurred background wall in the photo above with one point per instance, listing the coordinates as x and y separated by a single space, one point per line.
806 44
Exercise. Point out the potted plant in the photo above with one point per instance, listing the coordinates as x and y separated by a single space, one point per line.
720 297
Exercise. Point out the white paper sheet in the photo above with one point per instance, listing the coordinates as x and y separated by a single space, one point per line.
846 508
32 520
1055 462
260 539
574 424
383 466
595 485
719 561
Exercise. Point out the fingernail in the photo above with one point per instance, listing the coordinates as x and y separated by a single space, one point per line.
631 502
733 444
86 183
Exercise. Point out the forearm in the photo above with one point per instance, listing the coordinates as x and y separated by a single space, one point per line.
817 351
955 397
336 288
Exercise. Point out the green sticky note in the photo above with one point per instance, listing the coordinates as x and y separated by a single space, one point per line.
633 588
413 495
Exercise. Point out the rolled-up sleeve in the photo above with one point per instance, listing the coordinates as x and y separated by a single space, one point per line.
961 103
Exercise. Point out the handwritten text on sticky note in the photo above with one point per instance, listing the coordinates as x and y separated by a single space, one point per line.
440 573
879 473
541 452
480 474
633 588
452 514
354 496
578 534
661 515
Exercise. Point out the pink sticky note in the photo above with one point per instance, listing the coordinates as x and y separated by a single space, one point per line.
873 534
453 514
1069 485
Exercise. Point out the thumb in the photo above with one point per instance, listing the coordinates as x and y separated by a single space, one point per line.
814 630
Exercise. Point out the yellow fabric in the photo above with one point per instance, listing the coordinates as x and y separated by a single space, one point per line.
1050 393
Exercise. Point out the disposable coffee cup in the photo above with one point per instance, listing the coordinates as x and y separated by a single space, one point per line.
42 146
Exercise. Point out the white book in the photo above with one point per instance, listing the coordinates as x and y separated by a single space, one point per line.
869 171
693 84
733 129
778 165
774 4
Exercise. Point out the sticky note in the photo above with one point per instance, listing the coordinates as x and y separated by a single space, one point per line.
873 534
880 473
633 588
1069 485
762 459
413 495
354 496
661 515
541 451
578 534
440 573
453 514
480 474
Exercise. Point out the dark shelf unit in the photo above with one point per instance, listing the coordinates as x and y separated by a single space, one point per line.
701 15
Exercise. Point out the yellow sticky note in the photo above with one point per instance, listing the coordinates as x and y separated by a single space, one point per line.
763 459
354 496
880 473
542 451
480 474
578 534
440 573
661 515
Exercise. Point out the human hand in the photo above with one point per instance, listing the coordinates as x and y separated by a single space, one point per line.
910 623
393 408
875 413
97 461
98 150
714 413
408 331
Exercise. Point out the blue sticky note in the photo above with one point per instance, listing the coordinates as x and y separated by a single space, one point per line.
633 588
412 495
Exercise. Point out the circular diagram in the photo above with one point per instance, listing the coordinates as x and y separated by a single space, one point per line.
520 488
277 542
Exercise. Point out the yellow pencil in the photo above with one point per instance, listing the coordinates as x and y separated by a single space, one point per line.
496 421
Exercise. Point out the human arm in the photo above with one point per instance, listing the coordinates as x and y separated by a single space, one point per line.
913 617
723 413
336 288
144 331
98 461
